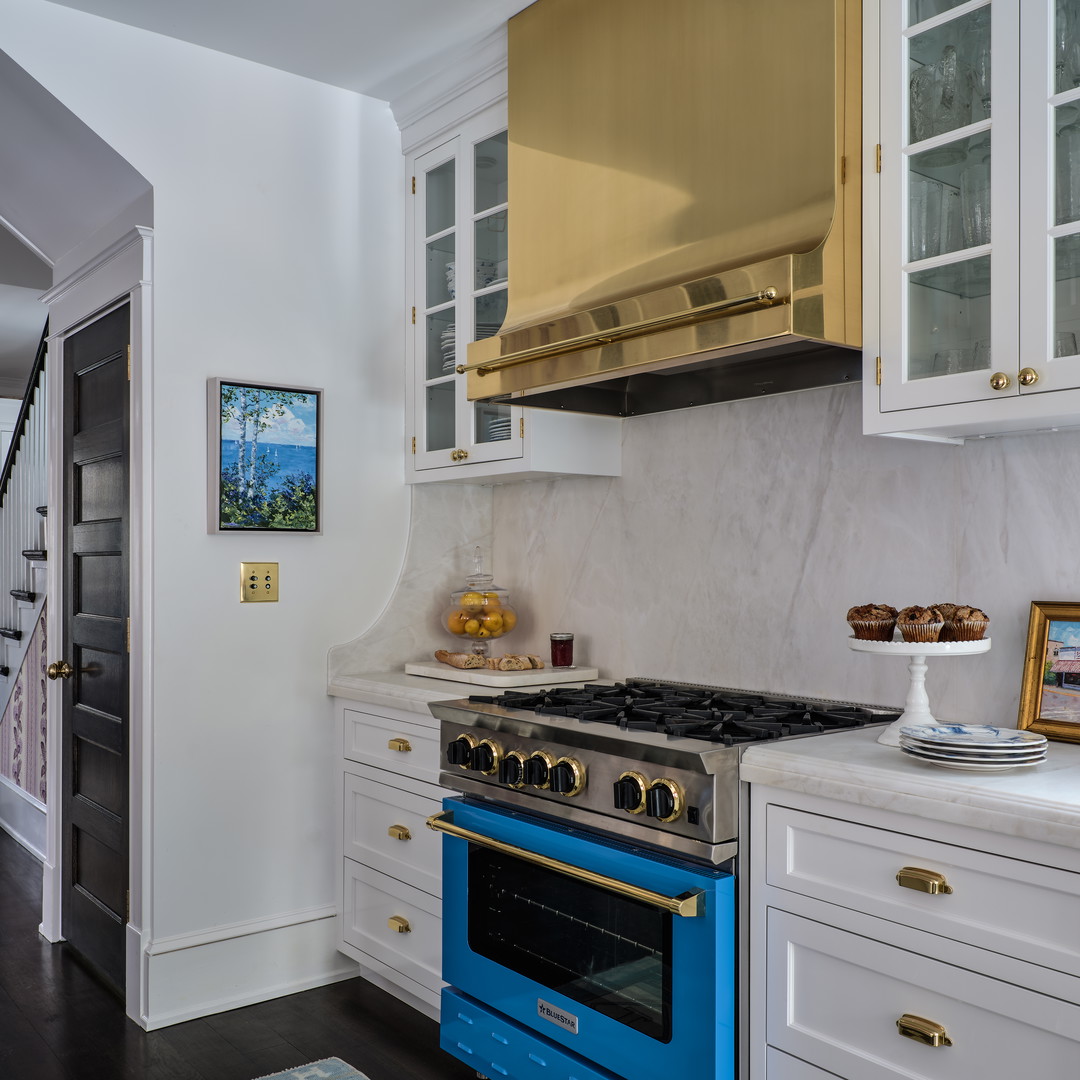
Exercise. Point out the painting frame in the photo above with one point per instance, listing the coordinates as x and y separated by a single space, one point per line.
1047 702
254 496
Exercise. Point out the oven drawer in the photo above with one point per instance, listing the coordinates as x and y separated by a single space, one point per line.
1017 908
834 999
385 829
375 906
408 749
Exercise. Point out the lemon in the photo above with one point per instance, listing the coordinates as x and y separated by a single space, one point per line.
509 620
472 627
455 622
472 601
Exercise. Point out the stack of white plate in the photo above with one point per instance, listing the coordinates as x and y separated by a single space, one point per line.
447 340
498 428
973 747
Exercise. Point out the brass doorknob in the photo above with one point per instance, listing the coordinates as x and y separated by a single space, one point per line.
999 381
59 669
1028 376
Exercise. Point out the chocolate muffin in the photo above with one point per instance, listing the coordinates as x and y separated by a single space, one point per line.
872 622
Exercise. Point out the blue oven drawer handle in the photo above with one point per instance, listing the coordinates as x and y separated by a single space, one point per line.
688 904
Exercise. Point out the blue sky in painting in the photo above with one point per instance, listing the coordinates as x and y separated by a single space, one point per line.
297 427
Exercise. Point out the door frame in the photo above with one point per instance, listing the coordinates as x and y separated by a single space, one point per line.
118 274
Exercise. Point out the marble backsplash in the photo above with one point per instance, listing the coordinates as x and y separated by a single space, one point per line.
739 534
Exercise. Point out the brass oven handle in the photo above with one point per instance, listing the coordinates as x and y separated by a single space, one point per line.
927 881
767 295
689 904
922 1030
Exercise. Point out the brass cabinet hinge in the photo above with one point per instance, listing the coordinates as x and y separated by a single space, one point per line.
414 444
521 427
879 371
414 315
877 157
414 185
843 170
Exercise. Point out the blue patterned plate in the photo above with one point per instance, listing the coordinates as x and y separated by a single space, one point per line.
972 735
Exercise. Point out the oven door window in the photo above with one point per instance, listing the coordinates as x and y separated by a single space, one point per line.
611 953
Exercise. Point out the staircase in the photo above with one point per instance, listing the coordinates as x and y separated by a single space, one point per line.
23 565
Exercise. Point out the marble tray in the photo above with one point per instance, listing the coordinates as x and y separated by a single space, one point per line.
545 676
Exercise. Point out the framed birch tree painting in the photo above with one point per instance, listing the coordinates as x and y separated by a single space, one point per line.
264 457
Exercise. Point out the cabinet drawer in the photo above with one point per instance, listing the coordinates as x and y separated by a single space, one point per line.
371 900
401 747
781 1066
1016 908
833 1000
385 829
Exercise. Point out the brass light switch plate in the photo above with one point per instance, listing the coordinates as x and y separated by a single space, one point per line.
258 582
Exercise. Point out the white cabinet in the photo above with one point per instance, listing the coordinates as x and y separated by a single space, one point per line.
885 946
390 880
973 288
458 267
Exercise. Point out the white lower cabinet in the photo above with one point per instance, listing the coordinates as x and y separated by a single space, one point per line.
885 946
390 884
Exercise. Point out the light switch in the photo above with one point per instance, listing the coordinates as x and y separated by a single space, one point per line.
258 582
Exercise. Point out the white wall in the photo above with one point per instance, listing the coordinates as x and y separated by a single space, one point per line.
740 534
278 244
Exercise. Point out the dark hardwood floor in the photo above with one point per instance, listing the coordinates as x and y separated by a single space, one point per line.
57 1022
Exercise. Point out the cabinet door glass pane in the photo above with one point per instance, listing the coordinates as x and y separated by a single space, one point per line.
440 344
490 172
490 313
1066 295
440 416
490 250
441 271
492 423
1067 164
927 9
949 319
1066 45
440 199
949 85
949 204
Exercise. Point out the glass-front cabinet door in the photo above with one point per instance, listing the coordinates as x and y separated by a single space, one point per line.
459 284
950 166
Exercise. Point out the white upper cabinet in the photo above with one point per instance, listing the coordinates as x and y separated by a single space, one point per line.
972 290
458 269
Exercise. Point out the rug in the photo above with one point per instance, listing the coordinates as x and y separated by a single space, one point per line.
327 1069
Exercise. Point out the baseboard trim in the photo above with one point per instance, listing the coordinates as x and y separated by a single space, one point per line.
193 975
23 817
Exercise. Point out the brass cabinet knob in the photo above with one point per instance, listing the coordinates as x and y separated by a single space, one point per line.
999 381
402 746
59 669
1028 376
399 832
458 455
922 1030
927 881
401 925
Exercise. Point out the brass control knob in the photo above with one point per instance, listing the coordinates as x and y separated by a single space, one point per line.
460 751
486 757
59 669
538 769
1000 381
664 800
512 769
1028 376
567 776
628 792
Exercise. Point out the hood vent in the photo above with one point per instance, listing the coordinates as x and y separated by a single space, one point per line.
685 206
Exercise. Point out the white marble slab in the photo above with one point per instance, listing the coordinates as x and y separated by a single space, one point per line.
1038 803
394 690
507 680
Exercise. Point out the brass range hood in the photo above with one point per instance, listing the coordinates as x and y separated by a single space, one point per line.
685 210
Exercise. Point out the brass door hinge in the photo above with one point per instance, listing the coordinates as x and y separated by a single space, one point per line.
879 371
521 427
843 170
129 362
414 185
414 444
414 315
877 157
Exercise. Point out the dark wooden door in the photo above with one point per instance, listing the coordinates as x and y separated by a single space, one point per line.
95 643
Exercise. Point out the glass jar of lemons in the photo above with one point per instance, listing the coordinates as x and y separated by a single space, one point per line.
479 612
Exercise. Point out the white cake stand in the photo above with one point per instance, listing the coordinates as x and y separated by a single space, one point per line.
917 706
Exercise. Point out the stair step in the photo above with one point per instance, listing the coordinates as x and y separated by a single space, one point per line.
10 632
36 555
24 594
42 510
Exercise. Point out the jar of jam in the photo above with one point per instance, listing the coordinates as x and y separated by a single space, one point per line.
562 650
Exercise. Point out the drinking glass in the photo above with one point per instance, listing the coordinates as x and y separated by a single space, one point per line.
924 218
941 99
951 361
1064 343
977 53
981 355
1067 167
975 203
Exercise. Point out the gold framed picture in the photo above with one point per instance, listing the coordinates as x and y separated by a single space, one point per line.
1050 694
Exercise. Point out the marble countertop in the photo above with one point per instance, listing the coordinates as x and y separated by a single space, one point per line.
1039 803
395 689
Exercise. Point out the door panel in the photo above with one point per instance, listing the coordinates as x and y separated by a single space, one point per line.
95 697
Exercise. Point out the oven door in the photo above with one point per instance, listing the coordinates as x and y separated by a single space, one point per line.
625 957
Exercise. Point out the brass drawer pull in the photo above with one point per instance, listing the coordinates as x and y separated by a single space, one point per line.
927 881
403 746
399 832
401 925
922 1030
